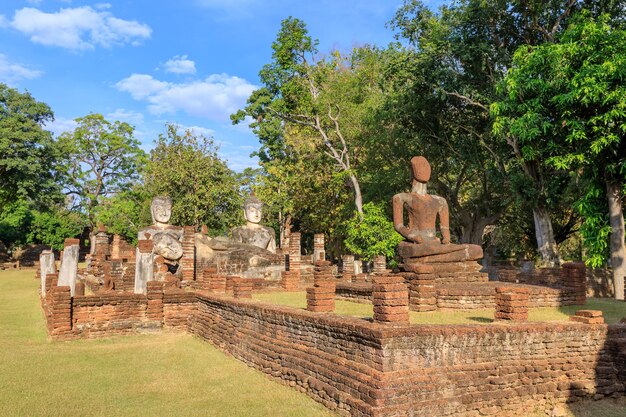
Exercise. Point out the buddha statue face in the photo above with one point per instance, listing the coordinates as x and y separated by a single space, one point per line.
161 210
253 210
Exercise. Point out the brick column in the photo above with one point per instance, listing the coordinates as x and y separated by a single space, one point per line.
295 253
290 280
380 265
347 271
242 288
359 278
390 297
79 289
574 279
52 281
212 281
154 311
512 303
61 311
128 276
321 297
187 261
115 247
319 253
422 291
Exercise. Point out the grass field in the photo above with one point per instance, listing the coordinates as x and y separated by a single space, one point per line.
613 310
165 374
162 374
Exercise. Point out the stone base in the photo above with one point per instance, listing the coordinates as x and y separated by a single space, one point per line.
451 272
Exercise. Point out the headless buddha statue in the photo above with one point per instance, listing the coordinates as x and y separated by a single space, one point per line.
422 244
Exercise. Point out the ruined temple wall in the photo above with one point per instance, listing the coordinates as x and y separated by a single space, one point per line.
335 360
178 308
502 370
366 369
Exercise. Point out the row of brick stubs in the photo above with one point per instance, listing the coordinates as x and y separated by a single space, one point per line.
512 303
390 297
187 261
211 280
242 288
422 288
347 270
574 279
321 297
154 310
588 317
290 280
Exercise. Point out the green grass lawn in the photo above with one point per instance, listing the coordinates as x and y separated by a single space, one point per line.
613 310
164 374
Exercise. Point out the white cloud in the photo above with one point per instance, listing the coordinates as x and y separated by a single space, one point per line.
198 130
11 72
61 125
180 65
215 97
141 86
78 28
128 116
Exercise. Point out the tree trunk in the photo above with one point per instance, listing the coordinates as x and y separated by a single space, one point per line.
358 197
618 253
474 227
545 237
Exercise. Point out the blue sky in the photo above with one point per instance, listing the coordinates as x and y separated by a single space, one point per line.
148 62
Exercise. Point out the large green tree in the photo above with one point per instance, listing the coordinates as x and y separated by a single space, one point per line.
186 167
566 102
444 84
27 151
101 158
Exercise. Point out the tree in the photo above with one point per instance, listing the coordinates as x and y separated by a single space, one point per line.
27 151
52 227
373 235
101 158
124 213
298 91
447 82
187 168
567 103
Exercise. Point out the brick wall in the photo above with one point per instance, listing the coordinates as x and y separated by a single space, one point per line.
365 369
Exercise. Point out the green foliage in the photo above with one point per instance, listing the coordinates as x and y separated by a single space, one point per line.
54 226
373 235
187 168
101 158
566 107
27 151
15 219
125 213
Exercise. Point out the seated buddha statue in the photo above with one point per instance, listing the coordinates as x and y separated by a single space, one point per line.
252 233
422 244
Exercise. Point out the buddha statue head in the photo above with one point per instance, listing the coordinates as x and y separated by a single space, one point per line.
161 209
420 168
252 209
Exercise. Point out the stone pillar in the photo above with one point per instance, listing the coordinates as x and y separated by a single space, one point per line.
144 268
290 280
295 253
69 265
61 311
347 272
321 297
512 303
154 292
187 261
242 288
319 254
46 266
380 265
574 279
588 317
390 297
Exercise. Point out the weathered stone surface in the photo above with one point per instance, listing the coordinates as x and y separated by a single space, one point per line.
46 266
253 233
69 265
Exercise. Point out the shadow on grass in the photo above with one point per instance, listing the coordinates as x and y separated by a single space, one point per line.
480 319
